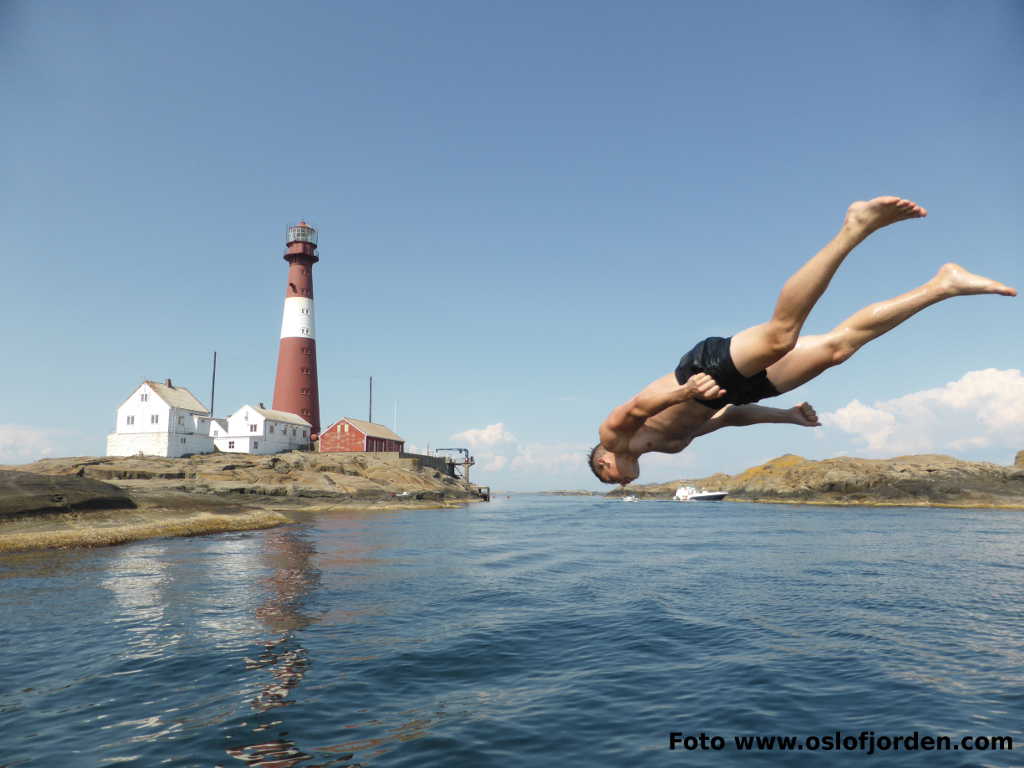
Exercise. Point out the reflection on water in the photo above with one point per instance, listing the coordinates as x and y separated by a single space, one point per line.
137 579
292 580
530 632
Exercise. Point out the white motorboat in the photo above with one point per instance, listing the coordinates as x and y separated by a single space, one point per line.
630 498
689 493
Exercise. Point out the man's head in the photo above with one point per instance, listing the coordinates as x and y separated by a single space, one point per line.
614 468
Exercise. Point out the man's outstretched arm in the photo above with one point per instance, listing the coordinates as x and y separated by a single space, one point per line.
623 422
802 415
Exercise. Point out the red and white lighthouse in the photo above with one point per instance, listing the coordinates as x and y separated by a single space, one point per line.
295 389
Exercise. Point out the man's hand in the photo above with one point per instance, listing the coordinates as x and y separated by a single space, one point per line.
804 415
703 386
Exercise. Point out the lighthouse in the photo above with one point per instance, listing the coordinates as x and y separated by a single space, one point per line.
295 388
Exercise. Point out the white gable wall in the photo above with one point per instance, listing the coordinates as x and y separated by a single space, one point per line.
143 412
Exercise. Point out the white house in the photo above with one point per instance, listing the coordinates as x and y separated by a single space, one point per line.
160 420
261 430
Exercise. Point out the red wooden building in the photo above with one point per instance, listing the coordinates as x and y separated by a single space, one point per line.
356 435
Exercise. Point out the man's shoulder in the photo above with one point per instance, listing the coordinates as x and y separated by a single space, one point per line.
607 434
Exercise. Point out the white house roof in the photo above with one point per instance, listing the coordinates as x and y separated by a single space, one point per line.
370 429
177 397
222 423
289 418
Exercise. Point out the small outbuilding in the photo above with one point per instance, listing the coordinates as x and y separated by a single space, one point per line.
355 435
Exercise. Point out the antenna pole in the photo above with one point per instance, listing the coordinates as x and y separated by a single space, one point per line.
213 382
371 401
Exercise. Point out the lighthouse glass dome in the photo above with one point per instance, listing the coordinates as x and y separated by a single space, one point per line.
302 233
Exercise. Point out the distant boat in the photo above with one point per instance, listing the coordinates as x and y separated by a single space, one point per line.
630 498
689 493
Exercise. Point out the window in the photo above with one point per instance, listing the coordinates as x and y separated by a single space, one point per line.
306 371
183 441
130 420
181 419
303 433
270 429
252 427
255 444
144 397
231 443
307 351
154 419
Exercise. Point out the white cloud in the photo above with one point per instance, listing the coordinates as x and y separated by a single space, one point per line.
549 458
970 442
495 463
982 409
20 444
874 425
493 434
496 449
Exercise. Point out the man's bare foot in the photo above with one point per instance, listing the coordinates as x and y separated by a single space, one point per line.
866 216
804 415
959 282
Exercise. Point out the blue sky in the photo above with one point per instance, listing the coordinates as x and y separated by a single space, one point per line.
527 211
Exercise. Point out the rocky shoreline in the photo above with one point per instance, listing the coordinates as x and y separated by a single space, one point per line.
90 501
923 481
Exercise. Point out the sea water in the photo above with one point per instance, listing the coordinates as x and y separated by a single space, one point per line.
530 631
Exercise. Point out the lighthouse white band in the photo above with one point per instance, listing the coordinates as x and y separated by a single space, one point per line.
297 321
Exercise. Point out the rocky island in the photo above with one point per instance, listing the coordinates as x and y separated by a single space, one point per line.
88 501
925 480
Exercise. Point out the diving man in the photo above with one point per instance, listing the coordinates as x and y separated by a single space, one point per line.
717 381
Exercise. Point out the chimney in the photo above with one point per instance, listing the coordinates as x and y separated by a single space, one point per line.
263 406
168 383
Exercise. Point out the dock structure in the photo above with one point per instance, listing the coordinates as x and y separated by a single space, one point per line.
467 461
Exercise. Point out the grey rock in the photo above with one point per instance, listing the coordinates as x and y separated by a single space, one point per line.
27 493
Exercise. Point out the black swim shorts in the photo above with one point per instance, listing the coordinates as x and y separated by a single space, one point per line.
712 357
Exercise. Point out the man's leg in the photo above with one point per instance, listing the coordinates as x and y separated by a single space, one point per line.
756 348
814 354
